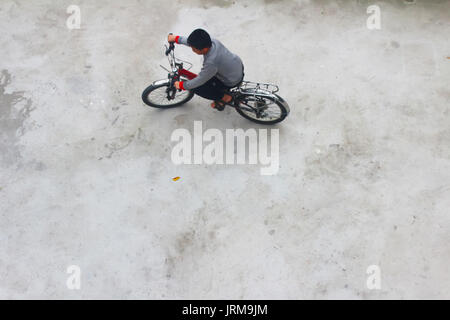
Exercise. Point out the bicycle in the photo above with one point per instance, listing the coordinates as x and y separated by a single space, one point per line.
255 101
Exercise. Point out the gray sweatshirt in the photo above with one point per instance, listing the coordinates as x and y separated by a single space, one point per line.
219 62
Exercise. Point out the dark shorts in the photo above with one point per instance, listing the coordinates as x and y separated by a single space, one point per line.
214 89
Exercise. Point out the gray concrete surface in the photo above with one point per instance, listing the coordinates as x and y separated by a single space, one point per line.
86 174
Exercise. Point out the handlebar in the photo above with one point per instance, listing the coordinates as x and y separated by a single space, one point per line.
171 47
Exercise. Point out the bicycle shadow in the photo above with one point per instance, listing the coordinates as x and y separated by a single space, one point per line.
200 110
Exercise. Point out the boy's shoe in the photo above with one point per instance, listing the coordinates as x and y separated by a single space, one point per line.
219 105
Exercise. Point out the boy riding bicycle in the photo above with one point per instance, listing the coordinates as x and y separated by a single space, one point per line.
222 69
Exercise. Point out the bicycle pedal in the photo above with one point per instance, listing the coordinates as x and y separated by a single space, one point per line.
219 106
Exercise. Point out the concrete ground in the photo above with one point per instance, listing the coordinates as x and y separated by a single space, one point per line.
86 171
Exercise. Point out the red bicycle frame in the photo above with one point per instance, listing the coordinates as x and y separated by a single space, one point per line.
187 74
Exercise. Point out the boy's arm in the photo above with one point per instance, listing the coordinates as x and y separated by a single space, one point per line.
181 40
177 39
208 71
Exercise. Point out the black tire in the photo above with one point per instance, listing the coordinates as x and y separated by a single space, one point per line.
282 105
153 88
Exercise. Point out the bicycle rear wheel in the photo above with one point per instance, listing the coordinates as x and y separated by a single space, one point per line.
262 109
155 96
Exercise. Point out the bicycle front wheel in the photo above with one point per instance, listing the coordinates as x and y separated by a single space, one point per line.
155 96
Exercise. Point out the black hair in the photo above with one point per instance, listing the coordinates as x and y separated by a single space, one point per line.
199 39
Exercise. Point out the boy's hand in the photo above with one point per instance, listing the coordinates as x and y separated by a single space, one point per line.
171 38
177 84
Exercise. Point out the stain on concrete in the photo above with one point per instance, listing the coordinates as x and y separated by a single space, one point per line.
183 242
199 239
336 160
181 119
422 62
216 3
118 144
442 148
37 165
15 108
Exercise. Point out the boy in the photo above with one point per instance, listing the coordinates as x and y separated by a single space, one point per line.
221 69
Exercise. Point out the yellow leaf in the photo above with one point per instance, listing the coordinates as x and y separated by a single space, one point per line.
176 179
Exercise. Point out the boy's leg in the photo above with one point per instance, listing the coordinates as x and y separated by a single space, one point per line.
213 89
